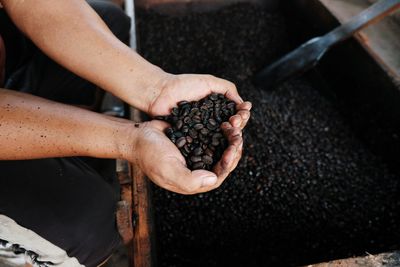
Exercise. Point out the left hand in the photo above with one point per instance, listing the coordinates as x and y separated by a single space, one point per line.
163 163
192 87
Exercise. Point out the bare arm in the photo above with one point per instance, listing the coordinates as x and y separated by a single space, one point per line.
71 33
31 127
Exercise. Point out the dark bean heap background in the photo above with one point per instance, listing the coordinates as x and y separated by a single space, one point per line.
196 129
306 190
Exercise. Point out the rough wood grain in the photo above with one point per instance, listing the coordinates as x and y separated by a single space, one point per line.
391 259
143 249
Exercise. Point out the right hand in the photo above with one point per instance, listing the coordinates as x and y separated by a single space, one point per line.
164 164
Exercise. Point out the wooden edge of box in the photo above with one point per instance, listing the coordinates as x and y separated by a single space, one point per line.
390 259
143 245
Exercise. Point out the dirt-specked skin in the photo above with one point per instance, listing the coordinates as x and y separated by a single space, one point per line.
306 190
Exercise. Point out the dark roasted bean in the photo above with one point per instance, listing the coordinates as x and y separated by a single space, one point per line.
195 159
211 127
193 133
189 139
187 149
231 105
181 142
208 152
204 131
198 165
185 129
178 134
182 103
193 111
175 111
215 142
161 118
169 131
198 126
214 97
207 159
217 135
197 151
196 119
185 111
179 124
212 122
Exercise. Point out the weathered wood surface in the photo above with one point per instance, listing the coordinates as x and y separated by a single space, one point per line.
381 40
143 248
391 259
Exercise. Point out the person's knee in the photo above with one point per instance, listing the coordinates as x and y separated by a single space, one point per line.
92 234
115 18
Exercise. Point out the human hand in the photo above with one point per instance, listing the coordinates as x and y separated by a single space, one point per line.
164 164
192 87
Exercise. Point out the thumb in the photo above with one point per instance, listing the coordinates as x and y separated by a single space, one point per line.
189 182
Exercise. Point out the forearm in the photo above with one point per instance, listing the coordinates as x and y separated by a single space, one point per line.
72 34
31 127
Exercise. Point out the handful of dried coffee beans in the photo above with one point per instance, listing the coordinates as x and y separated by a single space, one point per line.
196 129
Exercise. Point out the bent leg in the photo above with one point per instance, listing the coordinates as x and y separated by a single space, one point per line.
63 201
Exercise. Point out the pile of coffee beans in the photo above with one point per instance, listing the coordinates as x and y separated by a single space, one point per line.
306 189
196 129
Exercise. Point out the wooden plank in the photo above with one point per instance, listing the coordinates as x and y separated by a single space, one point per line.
124 208
391 259
143 249
381 40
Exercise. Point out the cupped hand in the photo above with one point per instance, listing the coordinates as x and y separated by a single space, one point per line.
192 87
164 164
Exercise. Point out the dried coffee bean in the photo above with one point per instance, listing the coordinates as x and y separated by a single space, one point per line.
182 103
217 136
198 165
185 112
214 97
178 134
196 119
184 153
198 126
169 132
197 151
181 142
195 158
193 111
212 122
209 152
193 133
196 129
204 131
215 142
185 129
231 105
207 159
211 127
179 124
175 111
186 148
161 118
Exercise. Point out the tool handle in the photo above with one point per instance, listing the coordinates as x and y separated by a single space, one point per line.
369 16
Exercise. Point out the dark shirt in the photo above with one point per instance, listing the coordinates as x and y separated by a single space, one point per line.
18 47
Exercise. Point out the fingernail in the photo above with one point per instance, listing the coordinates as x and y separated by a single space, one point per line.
209 181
